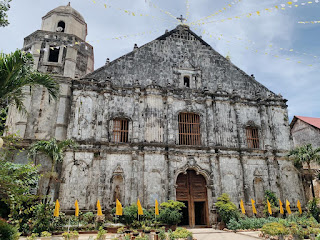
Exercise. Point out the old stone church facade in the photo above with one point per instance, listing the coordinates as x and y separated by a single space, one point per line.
173 119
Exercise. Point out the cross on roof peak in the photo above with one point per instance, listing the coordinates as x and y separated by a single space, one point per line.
181 19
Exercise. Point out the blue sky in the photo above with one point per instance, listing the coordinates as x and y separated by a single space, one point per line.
270 46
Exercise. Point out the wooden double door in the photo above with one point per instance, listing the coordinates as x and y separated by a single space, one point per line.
191 189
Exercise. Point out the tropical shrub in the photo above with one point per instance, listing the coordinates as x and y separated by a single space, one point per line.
8 231
169 216
274 229
162 234
101 233
130 214
46 234
33 236
87 218
249 223
173 205
314 209
180 233
226 209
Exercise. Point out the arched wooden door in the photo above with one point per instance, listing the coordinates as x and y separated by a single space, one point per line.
192 190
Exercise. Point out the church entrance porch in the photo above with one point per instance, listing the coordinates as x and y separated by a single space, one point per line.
192 191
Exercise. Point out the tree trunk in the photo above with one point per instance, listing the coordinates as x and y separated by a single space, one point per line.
48 190
311 182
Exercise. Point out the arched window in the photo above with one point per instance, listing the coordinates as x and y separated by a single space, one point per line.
186 81
61 26
252 137
189 129
121 130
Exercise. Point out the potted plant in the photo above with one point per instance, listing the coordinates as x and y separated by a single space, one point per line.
135 233
45 235
147 230
101 234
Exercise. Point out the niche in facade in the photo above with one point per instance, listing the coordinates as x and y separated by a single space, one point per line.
117 188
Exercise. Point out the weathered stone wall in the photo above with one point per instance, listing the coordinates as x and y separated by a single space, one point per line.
146 87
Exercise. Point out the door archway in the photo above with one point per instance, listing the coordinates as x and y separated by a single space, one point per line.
192 190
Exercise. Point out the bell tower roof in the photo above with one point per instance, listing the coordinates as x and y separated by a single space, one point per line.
65 10
65 19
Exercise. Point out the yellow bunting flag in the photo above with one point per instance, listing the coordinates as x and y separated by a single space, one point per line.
288 207
56 209
77 208
156 208
269 207
140 210
99 213
281 207
242 207
254 210
299 207
118 208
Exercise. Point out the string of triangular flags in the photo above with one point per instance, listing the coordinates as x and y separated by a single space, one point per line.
312 22
220 37
131 13
269 45
187 9
161 10
230 5
283 6
281 210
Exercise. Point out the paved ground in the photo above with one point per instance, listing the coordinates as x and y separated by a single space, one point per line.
212 234
198 233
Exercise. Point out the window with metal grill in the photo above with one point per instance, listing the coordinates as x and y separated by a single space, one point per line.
189 129
252 137
120 130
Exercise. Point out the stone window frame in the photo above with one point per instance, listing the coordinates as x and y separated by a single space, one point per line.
47 52
195 139
129 131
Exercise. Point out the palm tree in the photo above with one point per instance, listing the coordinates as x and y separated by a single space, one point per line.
54 150
16 73
305 155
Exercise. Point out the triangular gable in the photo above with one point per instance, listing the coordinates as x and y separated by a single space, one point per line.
309 120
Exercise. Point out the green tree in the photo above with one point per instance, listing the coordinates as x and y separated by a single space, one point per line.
16 73
16 183
4 7
306 155
226 209
54 150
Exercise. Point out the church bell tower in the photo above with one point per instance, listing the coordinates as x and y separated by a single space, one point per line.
59 49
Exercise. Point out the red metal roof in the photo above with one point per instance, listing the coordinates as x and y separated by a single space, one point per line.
310 120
